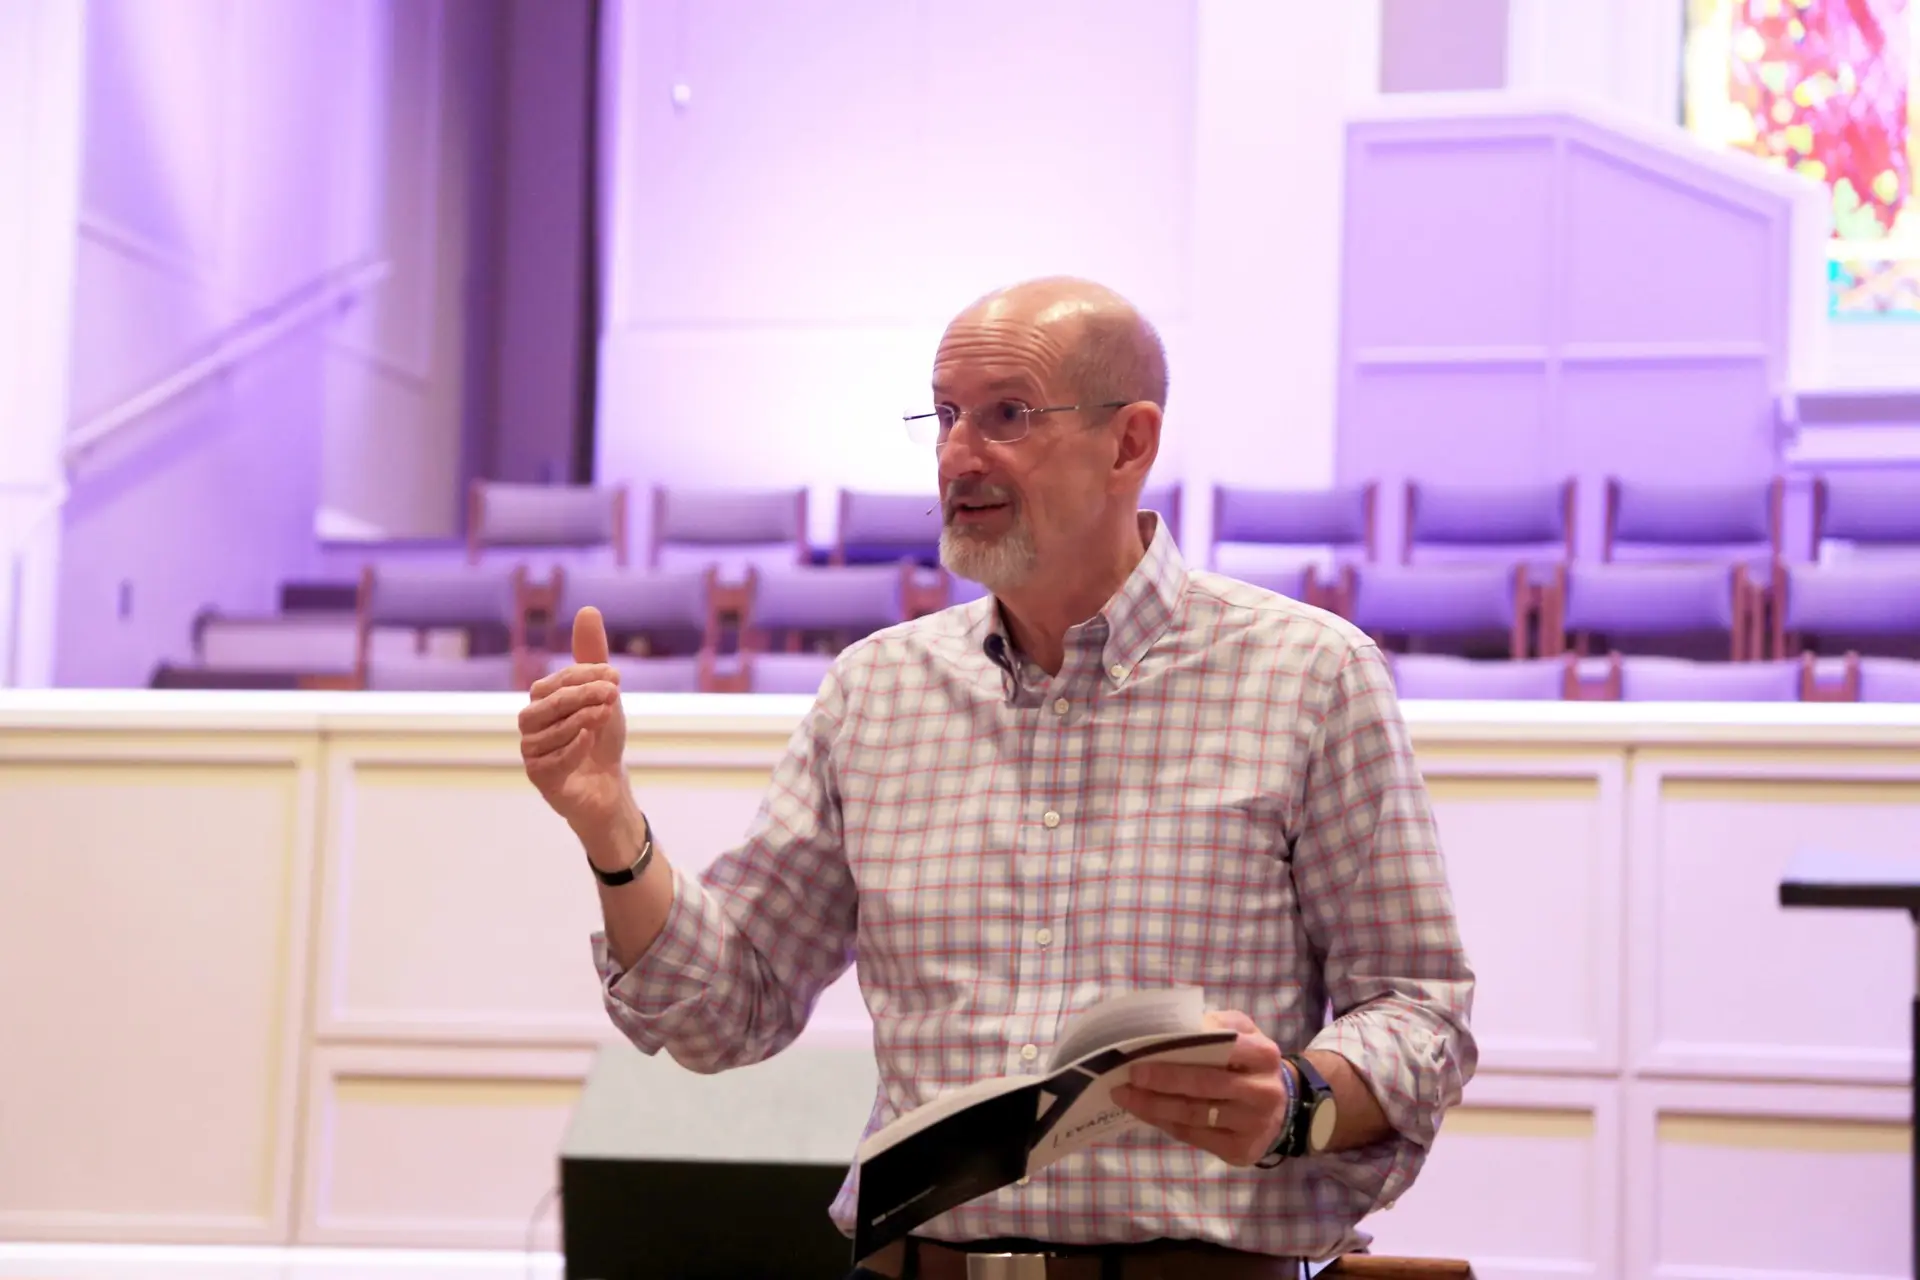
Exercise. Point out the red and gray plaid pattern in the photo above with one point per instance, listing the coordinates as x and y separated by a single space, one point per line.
1217 790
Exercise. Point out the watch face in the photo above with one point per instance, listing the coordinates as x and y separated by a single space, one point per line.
1320 1129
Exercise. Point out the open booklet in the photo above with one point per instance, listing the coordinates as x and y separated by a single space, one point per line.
978 1139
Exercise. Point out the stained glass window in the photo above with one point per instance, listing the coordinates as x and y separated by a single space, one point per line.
1828 88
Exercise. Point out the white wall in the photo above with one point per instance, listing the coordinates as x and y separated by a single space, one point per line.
41 57
787 245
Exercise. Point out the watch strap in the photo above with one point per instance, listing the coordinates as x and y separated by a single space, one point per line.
634 870
1314 1090
1277 1153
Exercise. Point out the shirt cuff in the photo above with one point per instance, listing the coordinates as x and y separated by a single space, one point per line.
651 1000
1405 1068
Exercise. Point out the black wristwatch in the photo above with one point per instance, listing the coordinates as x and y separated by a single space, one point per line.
1310 1123
634 870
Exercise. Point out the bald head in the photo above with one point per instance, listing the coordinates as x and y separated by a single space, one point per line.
1107 350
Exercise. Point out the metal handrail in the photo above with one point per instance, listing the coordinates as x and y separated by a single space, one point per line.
261 329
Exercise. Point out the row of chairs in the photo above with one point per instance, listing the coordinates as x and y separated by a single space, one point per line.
1665 521
1694 609
1618 678
515 624
1639 520
670 629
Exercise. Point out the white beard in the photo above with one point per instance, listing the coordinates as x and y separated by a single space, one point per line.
999 564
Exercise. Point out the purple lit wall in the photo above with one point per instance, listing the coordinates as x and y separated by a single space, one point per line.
786 242
218 142
1532 296
244 164
1430 46
42 60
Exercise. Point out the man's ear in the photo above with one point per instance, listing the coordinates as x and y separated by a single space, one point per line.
1137 440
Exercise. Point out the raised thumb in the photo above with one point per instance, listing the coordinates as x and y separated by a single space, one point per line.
589 636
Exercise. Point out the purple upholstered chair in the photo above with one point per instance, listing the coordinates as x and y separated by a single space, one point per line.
1882 679
1342 519
484 605
1660 679
650 615
1301 582
1518 521
1472 606
710 522
886 528
1650 605
1870 608
546 515
783 672
1432 675
1880 509
1693 522
821 608
961 590
1164 499
682 673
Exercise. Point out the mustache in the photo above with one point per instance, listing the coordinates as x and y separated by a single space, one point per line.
973 491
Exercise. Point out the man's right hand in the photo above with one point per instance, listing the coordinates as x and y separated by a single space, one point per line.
573 735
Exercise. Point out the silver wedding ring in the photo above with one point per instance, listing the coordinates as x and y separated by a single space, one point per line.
1213 1117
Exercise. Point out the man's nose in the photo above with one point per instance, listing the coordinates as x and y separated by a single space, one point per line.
961 453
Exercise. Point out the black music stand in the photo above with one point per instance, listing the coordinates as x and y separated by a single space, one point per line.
669 1175
1887 882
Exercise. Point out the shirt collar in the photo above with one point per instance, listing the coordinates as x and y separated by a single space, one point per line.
1128 624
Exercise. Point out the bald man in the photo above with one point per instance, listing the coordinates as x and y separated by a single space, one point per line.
1114 773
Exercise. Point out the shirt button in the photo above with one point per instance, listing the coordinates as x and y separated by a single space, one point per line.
1060 707
1044 937
1117 671
1024 1180
1028 1052
1051 818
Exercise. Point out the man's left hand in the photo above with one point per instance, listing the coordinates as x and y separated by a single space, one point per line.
1250 1097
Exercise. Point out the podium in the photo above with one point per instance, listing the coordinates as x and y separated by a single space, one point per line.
670 1175
1869 882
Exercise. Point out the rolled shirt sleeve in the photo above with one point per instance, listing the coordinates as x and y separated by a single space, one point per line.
1377 908
750 943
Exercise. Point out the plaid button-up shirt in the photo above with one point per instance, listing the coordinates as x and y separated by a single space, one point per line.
1216 790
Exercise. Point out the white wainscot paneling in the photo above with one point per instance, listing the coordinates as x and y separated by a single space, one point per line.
1524 1182
1767 1182
447 1148
701 810
1726 982
154 897
1544 832
457 908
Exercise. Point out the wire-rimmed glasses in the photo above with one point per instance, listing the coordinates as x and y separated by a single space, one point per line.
1002 422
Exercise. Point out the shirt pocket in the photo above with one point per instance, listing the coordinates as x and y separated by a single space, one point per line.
1198 893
